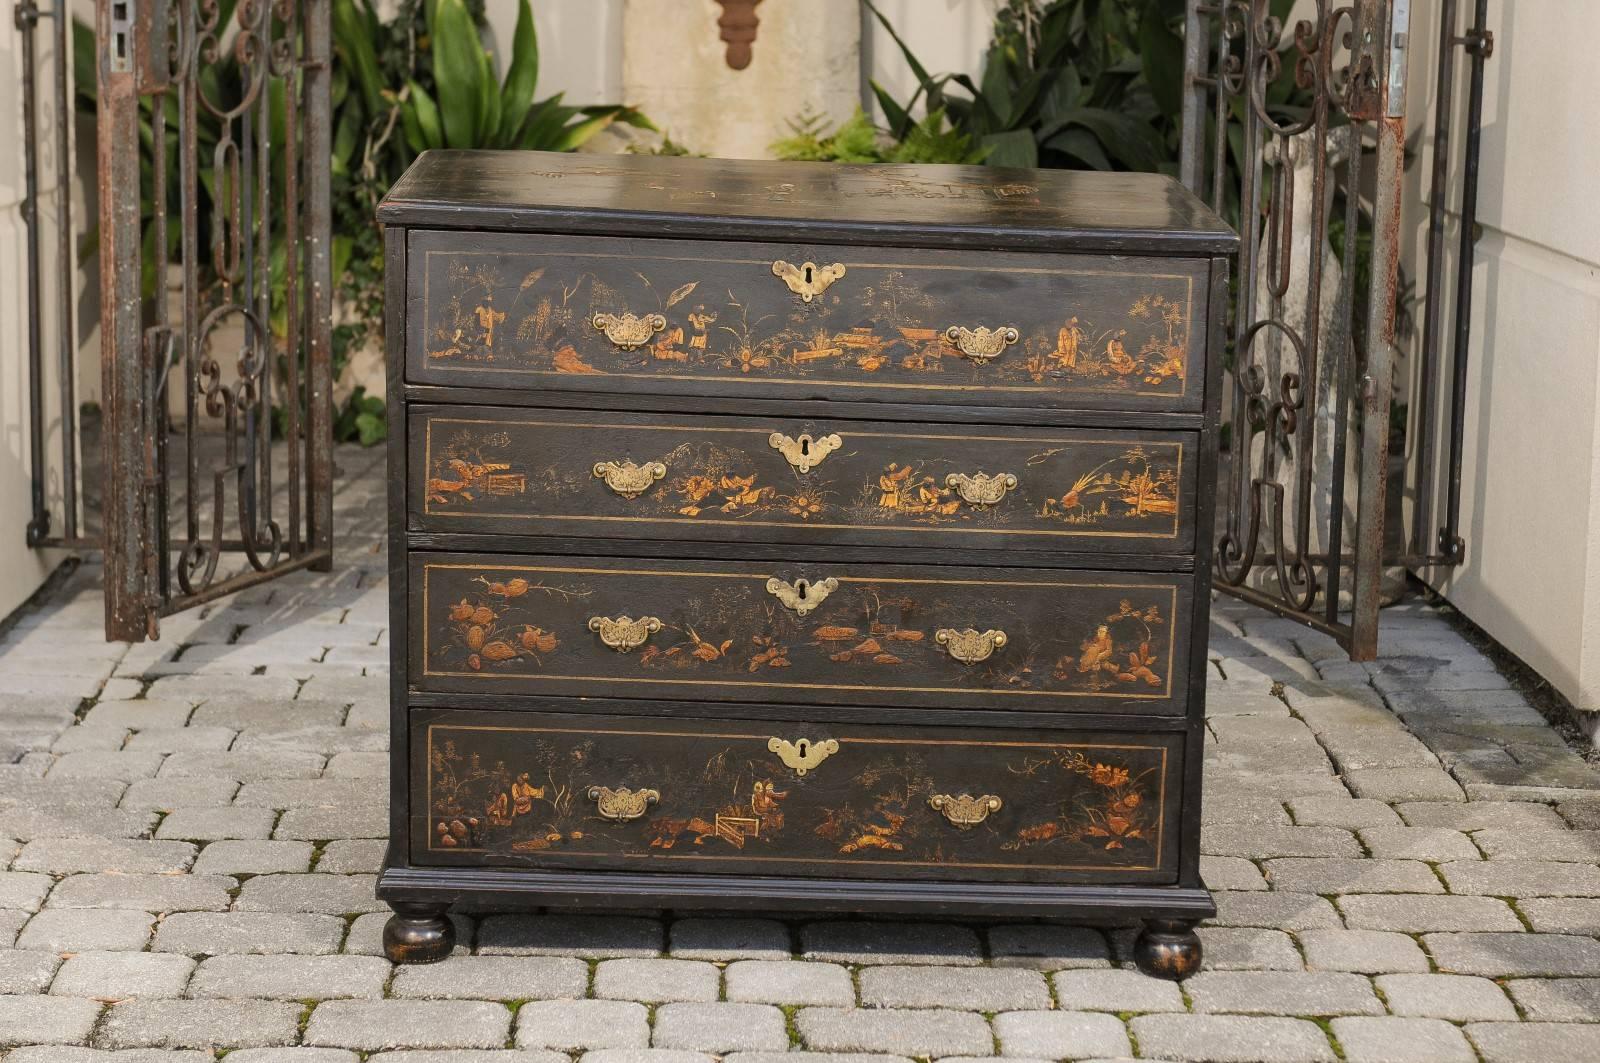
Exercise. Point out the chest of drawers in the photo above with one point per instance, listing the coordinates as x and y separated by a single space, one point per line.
772 536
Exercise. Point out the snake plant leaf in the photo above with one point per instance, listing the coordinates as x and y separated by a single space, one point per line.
352 43
1161 54
421 114
458 73
517 95
1015 147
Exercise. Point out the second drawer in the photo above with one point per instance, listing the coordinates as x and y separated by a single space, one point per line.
557 473
803 634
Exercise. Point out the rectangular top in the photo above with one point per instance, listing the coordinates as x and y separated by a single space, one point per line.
927 206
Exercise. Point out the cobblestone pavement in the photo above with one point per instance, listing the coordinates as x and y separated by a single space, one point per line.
1406 861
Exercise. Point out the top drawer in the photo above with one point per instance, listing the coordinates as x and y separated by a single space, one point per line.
792 321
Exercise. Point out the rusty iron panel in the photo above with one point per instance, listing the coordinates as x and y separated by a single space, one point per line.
217 424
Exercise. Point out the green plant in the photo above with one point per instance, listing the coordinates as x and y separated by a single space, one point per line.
858 140
361 420
1069 84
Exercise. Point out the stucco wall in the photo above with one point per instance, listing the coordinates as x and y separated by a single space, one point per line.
1531 477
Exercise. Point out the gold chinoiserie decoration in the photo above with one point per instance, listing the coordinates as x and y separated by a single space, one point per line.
629 331
981 490
801 596
804 452
969 646
807 280
627 479
624 633
964 810
981 344
622 804
804 754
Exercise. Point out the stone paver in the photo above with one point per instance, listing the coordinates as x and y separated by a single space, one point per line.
720 1028
1388 1039
1404 856
36 1020
290 977
789 982
657 981
976 988
1115 991
572 1025
1282 992
1362 951
115 975
495 978
141 1023
1060 1035
902 1032
1231 1039
372 1025
1457 997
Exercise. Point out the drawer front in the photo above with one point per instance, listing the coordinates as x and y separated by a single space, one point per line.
805 634
892 325
549 472
502 788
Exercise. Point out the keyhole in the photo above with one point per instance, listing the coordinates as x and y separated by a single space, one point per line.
807 268
801 586
802 746
805 446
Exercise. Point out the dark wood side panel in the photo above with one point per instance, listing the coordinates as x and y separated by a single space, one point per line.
883 634
519 310
510 789
628 475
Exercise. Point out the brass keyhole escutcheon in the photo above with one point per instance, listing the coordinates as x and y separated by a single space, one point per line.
803 754
806 452
802 595
807 280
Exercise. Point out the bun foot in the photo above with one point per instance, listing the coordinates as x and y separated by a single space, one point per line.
418 933
1168 948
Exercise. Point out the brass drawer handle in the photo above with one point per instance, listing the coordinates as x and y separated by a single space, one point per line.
629 331
969 646
624 633
807 280
801 596
804 452
627 479
622 805
981 344
981 490
964 810
804 754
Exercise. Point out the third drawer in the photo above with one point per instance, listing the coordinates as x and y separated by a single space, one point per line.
1024 639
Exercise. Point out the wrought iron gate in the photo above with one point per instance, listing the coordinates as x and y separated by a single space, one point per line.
213 142
1299 136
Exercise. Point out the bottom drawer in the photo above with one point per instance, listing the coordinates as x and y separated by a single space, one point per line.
509 789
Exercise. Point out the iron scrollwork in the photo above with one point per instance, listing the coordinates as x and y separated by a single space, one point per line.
1303 341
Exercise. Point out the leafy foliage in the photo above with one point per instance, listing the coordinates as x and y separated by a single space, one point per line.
1068 84
858 140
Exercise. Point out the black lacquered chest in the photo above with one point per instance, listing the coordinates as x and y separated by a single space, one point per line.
772 536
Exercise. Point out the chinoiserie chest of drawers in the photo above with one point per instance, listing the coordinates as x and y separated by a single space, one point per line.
799 536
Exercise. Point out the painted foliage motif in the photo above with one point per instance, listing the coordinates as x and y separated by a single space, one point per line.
1058 638
528 468
1119 333
723 796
